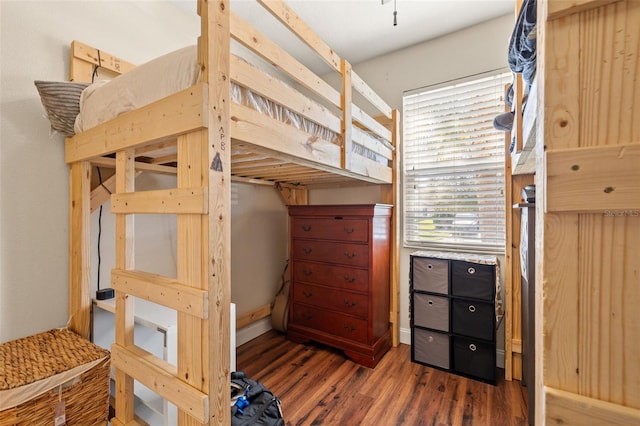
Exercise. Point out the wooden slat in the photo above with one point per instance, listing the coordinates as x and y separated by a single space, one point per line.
257 42
566 408
347 125
79 249
560 8
84 60
253 316
370 123
291 20
179 113
140 166
162 290
594 179
162 201
371 143
160 377
124 259
365 90
99 57
262 83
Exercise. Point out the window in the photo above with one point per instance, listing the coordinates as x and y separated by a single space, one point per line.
454 166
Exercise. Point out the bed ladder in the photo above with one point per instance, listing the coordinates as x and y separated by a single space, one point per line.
185 386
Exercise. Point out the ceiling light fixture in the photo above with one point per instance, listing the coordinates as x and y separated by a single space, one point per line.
395 11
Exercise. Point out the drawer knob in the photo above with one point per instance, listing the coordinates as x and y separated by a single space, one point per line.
349 230
350 255
349 280
346 327
472 347
306 228
347 303
472 308
307 250
471 271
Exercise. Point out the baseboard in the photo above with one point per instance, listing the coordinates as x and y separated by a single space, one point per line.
253 330
405 337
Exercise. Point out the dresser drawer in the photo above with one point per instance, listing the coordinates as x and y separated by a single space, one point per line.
473 319
431 311
430 274
474 358
342 277
356 230
472 280
430 347
330 298
325 251
330 322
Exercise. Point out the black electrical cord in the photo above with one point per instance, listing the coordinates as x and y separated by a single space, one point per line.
100 224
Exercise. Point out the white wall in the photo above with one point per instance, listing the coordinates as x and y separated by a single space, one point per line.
471 51
35 38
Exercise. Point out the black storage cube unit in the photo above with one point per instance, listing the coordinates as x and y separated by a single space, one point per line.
474 358
453 313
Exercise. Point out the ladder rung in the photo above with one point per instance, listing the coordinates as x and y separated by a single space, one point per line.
162 290
161 377
176 201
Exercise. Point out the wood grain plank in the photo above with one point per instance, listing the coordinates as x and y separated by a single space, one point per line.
397 392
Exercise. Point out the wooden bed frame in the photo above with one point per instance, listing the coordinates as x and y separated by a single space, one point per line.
208 142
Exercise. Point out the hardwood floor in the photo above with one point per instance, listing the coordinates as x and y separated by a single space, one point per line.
320 386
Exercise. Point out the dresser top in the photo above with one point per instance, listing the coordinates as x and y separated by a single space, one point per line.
341 209
466 257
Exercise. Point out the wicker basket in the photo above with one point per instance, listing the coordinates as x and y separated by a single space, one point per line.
48 360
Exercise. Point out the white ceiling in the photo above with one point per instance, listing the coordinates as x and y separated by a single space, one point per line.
362 29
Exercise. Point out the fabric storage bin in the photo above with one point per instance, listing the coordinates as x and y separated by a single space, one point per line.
431 311
474 358
473 280
38 371
430 347
472 318
429 274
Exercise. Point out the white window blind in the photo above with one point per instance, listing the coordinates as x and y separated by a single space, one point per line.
454 166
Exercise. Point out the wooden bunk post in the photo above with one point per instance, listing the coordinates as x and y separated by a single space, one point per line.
79 252
347 102
193 353
390 195
214 55
124 316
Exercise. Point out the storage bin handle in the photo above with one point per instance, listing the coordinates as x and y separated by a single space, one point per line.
472 347
472 308
429 266
471 270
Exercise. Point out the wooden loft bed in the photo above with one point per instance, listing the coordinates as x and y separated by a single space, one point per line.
208 142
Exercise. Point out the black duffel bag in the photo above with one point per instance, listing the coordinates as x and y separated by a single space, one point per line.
252 403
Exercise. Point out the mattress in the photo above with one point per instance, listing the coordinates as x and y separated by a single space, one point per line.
176 71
